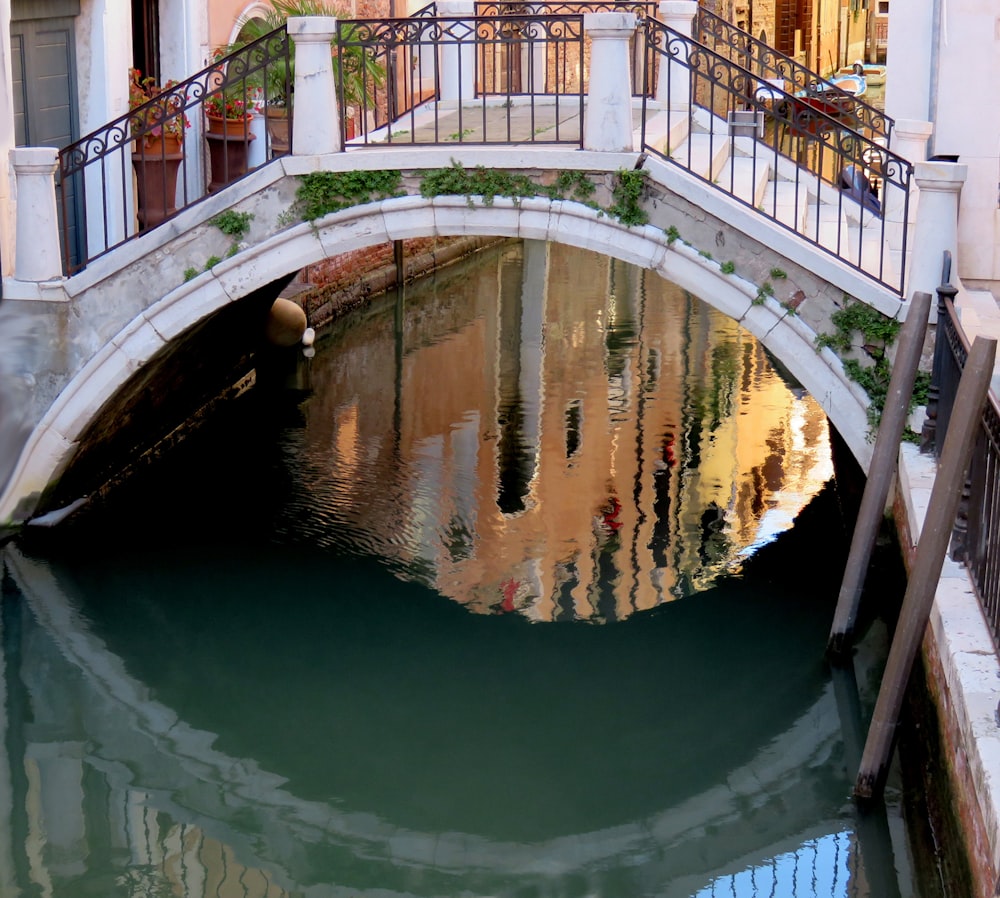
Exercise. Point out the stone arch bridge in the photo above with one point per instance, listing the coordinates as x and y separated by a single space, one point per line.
79 352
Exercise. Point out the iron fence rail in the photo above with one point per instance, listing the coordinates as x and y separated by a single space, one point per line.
837 170
499 79
976 536
126 164
754 55
640 8
492 79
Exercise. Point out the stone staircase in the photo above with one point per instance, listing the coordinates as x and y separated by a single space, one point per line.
749 170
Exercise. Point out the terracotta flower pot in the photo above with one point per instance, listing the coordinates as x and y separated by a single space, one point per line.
229 127
277 129
156 162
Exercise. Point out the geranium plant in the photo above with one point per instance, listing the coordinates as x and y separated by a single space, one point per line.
227 105
156 112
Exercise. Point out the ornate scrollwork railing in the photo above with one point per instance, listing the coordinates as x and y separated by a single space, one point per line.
129 175
755 56
640 8
485 74
832 163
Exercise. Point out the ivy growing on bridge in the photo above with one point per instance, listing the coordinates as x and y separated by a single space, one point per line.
489 183
878 333
323 192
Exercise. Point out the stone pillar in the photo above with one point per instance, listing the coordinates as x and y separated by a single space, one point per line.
608 124
37 256
536 54
316 123
909 140
458 59
936 226
673 82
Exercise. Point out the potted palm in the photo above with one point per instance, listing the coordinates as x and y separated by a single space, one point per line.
362 72
156 123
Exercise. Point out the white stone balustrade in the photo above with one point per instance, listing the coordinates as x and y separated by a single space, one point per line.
36 250
458 59
936 226
673 82
316 125
608 124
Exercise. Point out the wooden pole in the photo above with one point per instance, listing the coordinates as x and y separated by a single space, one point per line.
880 472
923 580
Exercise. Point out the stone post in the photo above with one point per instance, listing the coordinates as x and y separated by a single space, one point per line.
673 82
936 226
536 54
316 123
608 124
909 140
458 59
37 256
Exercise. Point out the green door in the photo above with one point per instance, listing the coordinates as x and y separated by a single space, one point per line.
45 107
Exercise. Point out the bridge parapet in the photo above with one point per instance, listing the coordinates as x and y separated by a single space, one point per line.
98 328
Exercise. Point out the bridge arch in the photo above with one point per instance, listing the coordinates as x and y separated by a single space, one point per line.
54 441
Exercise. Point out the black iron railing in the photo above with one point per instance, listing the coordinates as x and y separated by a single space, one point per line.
640 8
828 182
142 168
493 79
976 537
755 56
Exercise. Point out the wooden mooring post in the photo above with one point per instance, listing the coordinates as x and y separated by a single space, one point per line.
880 472
928 561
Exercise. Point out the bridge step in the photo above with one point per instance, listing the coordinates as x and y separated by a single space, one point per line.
786 203
665 131
703 154
869 257
827 225
745 178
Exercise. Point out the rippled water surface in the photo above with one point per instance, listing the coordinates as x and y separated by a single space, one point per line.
499 596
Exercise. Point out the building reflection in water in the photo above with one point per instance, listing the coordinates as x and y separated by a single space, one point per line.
599 442
592 443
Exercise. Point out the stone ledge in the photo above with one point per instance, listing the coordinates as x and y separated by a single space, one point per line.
964 666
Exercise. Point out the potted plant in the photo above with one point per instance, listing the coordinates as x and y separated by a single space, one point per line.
157 123
157 114
228 112
362 71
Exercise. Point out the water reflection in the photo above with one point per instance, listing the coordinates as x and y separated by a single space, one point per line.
261 692
592 443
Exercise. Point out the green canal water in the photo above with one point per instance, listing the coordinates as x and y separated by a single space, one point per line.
520 590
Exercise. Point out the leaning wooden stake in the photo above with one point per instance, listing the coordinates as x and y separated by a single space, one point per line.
923 580
880 472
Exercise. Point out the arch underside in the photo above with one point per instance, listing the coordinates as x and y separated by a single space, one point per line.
53 444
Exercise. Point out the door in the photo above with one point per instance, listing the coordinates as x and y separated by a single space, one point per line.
45 109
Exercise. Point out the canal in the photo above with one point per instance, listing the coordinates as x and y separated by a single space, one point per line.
518 588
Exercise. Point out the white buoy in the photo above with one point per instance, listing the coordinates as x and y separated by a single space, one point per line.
308 337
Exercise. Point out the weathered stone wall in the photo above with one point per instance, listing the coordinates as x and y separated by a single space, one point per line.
963 679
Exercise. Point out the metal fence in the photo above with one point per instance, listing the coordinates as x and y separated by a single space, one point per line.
755 56
640 8
458 80
976 537
837 169
142 168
